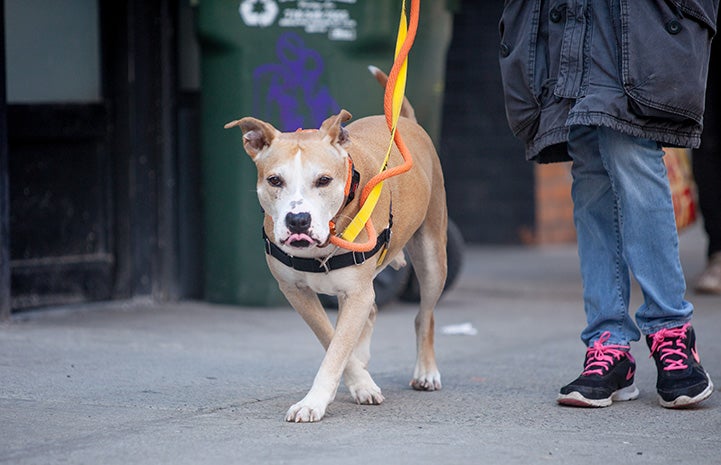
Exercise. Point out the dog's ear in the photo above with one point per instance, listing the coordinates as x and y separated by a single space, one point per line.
332 128
257 134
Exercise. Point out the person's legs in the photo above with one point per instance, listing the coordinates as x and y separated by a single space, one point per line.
707 174
624 219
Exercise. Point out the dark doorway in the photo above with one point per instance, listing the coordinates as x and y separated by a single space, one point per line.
92 118
60 191
59 162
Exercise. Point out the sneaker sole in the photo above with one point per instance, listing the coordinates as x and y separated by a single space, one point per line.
686 401
576 399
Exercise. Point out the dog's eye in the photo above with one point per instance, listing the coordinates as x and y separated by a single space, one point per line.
275 181
323 181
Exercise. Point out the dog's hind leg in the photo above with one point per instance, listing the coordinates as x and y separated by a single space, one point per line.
427 251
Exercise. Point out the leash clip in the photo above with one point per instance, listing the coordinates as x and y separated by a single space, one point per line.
323 263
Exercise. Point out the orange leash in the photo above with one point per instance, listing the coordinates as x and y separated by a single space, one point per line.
405 153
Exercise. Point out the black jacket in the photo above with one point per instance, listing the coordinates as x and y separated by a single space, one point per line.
637 66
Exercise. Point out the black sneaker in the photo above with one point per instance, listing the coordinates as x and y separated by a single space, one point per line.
607 376
682 381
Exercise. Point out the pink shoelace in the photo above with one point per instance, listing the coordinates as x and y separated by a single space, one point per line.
600 357
671 343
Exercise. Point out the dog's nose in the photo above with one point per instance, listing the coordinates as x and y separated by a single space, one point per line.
297 222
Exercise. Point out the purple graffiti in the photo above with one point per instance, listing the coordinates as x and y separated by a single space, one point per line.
290 92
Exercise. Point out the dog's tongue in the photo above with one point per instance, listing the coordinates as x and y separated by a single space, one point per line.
300 240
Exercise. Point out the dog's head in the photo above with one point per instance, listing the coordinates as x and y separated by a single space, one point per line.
302 179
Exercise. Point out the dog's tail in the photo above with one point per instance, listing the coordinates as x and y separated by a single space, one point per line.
406 108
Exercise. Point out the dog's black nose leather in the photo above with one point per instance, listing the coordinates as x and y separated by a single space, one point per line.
297 222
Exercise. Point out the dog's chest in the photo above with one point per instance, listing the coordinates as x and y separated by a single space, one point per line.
341 281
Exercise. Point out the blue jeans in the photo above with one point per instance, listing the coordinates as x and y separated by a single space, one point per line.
625 224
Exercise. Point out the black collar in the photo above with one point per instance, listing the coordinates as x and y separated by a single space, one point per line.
315 265
353 182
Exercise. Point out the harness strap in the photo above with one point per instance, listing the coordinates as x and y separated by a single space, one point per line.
313 265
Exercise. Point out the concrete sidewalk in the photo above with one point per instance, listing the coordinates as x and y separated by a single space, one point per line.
139 383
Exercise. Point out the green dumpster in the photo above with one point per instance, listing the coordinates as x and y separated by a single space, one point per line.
292 63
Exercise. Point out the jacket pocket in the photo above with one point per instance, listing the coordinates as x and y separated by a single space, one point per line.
518 29
666 46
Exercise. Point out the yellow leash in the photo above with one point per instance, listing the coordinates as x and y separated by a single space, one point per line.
358 222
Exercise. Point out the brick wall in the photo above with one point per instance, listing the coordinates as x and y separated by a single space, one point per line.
554 208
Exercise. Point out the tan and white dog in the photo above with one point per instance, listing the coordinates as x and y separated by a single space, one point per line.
305 181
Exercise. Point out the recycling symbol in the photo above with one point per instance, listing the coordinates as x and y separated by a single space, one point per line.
259 13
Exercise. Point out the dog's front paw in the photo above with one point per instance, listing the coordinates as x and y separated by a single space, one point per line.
430 381
304 412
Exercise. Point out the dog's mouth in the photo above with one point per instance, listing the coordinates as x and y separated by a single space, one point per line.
300 240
